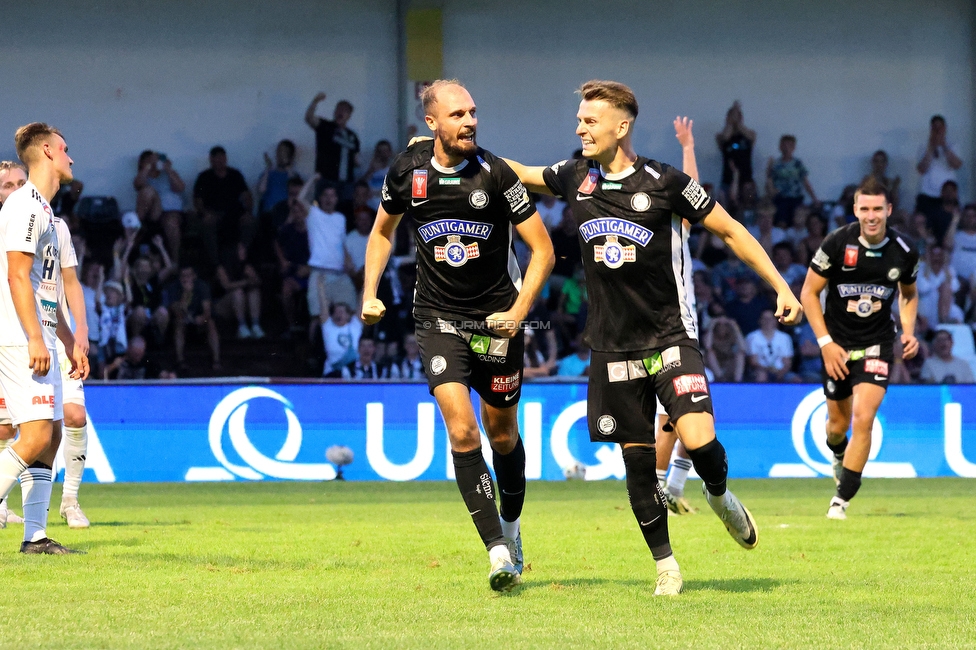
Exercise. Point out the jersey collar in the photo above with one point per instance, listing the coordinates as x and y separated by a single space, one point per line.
873 247
619 176
448 170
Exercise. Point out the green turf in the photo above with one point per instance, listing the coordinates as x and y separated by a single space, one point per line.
388 565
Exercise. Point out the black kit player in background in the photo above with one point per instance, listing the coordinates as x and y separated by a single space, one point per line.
641 326
470 301
861 265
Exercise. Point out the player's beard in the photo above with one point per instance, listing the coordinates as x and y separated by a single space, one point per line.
460 148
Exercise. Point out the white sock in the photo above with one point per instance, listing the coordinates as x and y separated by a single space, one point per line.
3 445
679 475
35 486
667 564
75 449
499 551
662 477
719 503
11 467
510 529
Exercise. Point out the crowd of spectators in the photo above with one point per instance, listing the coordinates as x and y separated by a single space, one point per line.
213 262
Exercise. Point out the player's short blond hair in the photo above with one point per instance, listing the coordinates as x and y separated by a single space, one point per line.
31 135
612 92
429 96
6 165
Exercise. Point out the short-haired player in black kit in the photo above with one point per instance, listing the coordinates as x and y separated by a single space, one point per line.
469 303
641 326
861 265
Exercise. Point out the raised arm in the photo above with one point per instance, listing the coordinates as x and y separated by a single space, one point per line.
536 237
310 117
378 248
682 131
305 195
747 249
531 177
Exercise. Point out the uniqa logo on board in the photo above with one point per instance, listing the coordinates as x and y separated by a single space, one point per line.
229 417
810 423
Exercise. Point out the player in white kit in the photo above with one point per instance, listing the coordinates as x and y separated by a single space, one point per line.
30 321
13 175
75 427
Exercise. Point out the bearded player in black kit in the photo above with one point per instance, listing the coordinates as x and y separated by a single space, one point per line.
861 265
641 325
470 301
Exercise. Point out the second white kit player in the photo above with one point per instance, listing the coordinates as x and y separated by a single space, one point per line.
75 427
30 321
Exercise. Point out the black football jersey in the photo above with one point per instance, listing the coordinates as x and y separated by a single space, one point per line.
638 270
861 283
462 219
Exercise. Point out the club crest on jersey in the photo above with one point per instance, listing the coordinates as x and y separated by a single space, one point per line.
640 202
478 199
419 185
850 255
455 253
589 183
894 274
613 253
445 227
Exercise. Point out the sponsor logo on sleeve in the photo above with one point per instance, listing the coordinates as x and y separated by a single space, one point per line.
555 167
689 384
30 228
418 188
821 260
385 192
506 383
589 183
696 194
517 197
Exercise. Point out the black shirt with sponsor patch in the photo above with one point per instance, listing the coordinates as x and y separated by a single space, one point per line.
861 284
638 271
462 219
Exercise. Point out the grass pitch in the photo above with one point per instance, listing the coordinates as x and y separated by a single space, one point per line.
352 565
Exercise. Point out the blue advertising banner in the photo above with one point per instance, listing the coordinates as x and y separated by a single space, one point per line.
225 432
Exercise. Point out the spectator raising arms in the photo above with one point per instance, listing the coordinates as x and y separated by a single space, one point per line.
336 146
328 281
938 163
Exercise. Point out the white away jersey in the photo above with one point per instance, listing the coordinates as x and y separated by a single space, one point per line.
27 226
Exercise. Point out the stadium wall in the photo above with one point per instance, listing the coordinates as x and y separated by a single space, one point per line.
264 431
179 76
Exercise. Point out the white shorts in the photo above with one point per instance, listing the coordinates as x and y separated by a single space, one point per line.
73 390
28 396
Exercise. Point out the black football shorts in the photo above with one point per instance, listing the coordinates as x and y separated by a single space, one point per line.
621 404
478 358
865 365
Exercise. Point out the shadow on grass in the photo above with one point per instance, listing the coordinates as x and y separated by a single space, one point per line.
740 585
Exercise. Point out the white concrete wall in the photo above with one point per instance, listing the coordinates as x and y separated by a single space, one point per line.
179 76
846 78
